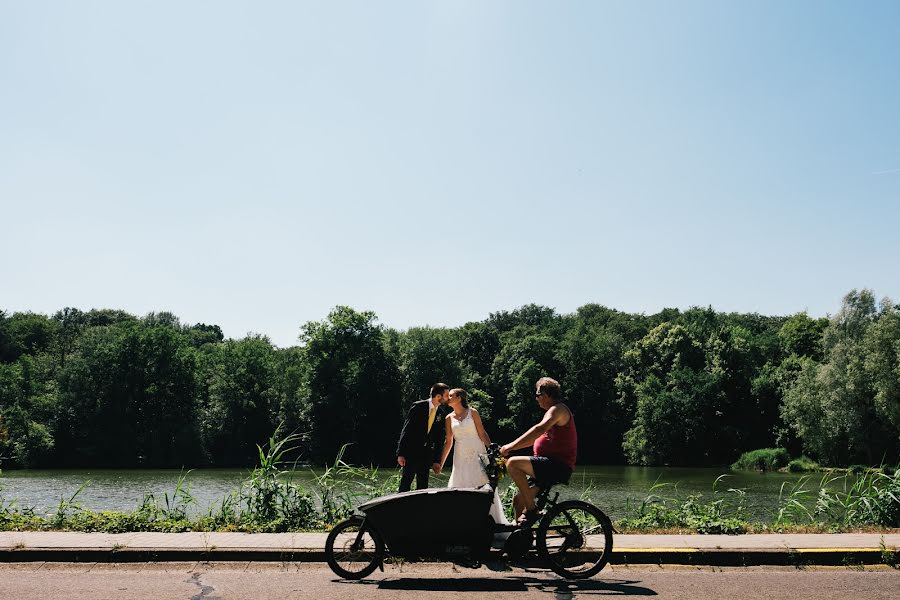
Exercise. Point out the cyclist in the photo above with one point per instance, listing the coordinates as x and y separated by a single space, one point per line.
555 443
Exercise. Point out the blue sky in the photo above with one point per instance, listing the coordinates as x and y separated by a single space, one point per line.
255 164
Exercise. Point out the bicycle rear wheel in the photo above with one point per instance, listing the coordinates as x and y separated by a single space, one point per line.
353 550
575 538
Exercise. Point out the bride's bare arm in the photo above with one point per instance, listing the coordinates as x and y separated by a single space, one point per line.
485 438
448 440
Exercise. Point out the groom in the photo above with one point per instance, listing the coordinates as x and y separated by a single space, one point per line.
422 438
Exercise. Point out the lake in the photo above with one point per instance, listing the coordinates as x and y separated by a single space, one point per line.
611 488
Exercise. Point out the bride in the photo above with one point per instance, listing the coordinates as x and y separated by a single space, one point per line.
465 429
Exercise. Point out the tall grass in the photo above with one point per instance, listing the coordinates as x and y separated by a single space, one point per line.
269 499
842 501
67 505
664 508
340 486
764 459
174 506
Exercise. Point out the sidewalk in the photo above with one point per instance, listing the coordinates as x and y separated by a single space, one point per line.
718 550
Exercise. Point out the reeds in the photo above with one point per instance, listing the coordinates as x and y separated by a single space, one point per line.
725 513
842 501
269 499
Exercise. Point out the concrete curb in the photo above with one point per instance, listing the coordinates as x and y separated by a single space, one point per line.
750 557
628 556
130 555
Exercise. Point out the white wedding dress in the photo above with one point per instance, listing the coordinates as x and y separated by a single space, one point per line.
467 470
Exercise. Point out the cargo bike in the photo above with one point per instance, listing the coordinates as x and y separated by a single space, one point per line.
573 538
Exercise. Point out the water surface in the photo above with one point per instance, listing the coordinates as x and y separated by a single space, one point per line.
613 488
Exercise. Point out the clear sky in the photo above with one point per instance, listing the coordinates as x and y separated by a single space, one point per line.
253 164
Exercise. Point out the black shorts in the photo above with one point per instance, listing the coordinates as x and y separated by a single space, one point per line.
549 471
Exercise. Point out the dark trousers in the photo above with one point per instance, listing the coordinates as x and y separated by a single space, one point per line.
419 470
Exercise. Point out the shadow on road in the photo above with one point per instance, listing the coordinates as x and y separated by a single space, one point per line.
610 587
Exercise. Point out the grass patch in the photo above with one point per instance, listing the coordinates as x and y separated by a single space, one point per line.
803 465
764 459
888 555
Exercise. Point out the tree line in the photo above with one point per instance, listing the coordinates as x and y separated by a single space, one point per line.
104 388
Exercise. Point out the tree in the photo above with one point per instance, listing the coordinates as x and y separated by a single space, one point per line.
201 334
666 389
832 407
238 398
350 392
128 398
690 394
802 336
426 356
532 316
71 322
479 344
25 333
523 359
882 363
27 397
591 357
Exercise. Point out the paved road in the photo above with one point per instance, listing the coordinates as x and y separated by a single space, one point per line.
231 581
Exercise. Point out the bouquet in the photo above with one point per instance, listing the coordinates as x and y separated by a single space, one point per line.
493 464
500 465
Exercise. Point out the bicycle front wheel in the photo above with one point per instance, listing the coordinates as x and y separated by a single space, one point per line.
353 550
575 538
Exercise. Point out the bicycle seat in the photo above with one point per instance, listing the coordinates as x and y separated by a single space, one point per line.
546 484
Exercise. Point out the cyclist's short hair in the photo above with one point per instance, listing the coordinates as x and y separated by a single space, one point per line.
549 386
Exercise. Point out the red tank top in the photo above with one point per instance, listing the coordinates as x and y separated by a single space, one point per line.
560 442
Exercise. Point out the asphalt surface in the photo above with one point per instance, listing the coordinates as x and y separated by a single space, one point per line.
235 580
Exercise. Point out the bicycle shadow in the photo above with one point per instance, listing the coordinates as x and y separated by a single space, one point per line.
601 587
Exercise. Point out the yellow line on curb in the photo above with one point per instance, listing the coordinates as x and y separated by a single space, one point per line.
658 550
837 549
799 550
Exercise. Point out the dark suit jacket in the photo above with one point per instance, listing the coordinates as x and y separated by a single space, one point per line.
417 444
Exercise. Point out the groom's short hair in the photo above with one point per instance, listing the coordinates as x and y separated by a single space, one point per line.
438 389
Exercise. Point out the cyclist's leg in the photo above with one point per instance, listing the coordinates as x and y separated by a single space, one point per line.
520 469
519 501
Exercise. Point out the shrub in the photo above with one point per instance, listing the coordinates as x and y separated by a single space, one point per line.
764 459
803 465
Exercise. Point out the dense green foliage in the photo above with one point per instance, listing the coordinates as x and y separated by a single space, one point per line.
803 465
764 459
695 387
